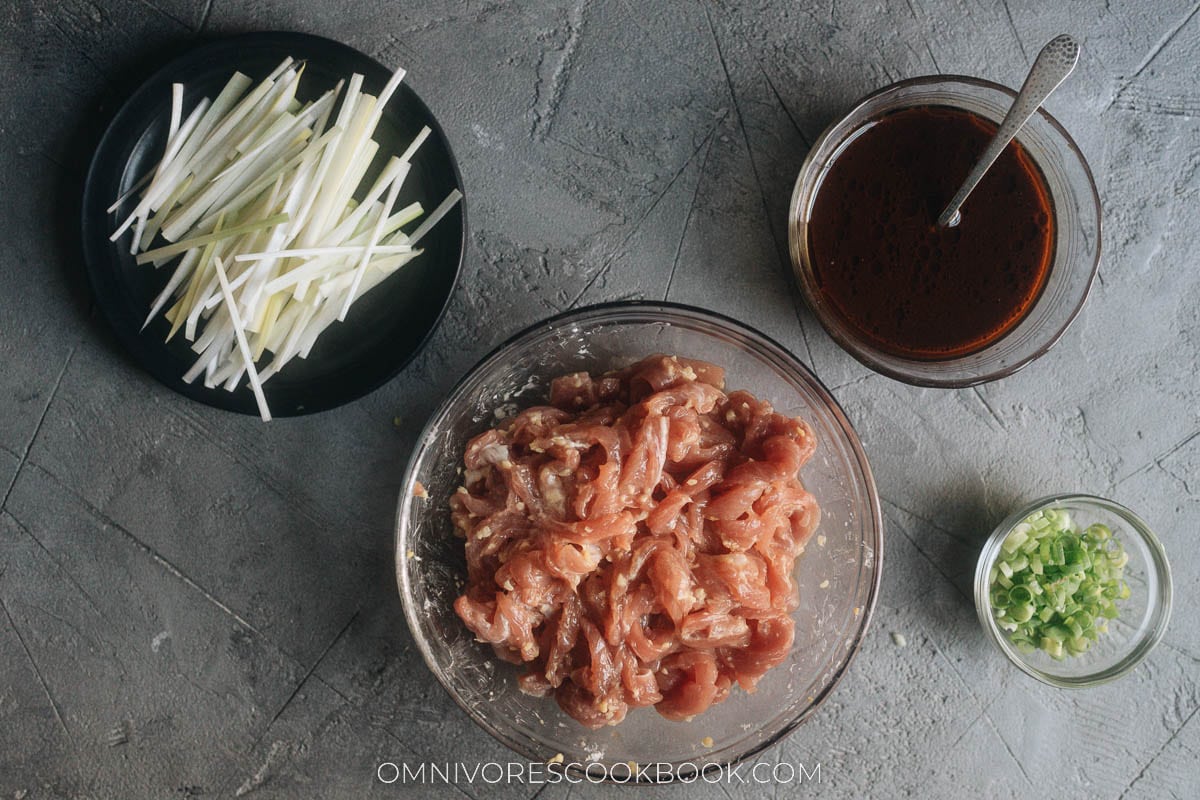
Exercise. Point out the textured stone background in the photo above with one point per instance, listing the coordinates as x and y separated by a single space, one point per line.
195 604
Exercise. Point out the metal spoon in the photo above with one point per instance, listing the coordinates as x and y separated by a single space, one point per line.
1050 69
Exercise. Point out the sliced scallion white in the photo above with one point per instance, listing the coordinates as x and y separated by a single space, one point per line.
275 223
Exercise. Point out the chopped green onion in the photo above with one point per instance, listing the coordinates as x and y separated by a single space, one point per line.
1053 647
1054 587
1015 539
1022 613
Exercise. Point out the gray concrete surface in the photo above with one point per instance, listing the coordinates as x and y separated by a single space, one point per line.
195 604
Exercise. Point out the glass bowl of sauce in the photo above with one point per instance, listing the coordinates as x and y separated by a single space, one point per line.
943 306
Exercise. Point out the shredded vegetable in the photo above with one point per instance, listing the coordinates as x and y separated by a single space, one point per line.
259 202
1054 587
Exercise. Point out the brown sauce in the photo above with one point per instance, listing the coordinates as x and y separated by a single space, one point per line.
903 283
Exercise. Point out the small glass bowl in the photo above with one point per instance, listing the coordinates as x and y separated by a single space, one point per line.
1143 615
838 574
1077 216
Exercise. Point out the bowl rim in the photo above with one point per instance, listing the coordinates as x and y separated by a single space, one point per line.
771 348
861 351
1141 647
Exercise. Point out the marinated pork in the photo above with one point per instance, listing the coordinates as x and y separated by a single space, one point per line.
633 543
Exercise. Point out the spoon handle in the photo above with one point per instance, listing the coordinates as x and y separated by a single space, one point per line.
1050 69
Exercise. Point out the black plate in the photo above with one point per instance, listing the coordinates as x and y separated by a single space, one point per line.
386 327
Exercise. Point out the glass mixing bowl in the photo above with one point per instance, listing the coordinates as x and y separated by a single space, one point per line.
1076 212
1143 615
830 622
